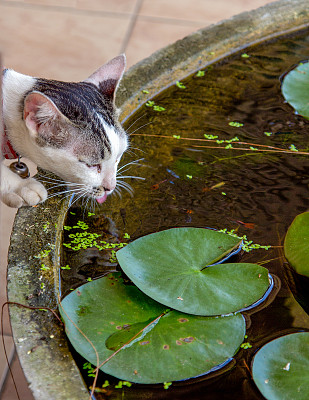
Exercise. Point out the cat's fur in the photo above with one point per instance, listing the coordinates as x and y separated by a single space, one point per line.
70 129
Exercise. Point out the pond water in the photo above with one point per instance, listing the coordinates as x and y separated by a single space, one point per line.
196 183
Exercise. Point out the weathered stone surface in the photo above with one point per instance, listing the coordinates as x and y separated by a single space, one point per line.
39 337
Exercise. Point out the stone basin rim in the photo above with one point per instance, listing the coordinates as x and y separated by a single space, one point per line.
40 340
236 50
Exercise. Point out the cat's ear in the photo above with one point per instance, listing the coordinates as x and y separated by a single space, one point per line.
39 110
107 77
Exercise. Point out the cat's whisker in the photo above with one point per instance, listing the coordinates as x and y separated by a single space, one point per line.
117 192
143 126
130 176
85 199
125 186
123 183
50 178
57 186
135 122
135 162
79 197
60 181
59 193
130 150
93 205
69 192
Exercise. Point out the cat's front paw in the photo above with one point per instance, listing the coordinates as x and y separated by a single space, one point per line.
33 192
29 192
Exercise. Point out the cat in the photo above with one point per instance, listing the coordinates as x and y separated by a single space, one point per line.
70 129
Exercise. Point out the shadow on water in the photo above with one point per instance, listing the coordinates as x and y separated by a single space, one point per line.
257 194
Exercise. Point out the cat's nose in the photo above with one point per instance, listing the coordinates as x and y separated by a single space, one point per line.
109 189
108 184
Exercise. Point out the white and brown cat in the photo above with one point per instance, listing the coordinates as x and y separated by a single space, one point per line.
70 129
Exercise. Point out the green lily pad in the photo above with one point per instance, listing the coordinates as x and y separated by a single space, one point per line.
281 368
296 244
295 89
176 267
167 345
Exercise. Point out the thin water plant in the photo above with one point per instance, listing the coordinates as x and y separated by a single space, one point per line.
262 148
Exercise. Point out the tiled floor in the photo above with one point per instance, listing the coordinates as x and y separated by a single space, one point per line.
68 40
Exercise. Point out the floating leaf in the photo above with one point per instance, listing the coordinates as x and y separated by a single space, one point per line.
295 89
281 368
167 345
180 85
296 244
176 267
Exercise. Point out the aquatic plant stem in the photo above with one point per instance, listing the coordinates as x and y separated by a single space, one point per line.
91 344
268 147
278 150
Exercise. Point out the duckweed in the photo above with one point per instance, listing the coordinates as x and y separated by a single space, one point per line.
158 108
44 268
180 85
151 103
247 245
246 346
88 366
220 141
293 147
84 240
208 136
46 226
81 225
43 254
166 385
199 74
123 383
236 124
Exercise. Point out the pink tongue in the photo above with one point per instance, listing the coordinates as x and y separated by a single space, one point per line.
101 200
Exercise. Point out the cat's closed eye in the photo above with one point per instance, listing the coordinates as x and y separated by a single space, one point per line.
97 167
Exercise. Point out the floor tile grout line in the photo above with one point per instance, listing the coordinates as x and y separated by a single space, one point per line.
67 10
174 21
103 14
131 26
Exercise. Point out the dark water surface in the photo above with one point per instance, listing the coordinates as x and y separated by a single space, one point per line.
256 193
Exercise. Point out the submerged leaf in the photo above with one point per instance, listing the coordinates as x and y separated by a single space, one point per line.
166 345
296 244
281 368
177 268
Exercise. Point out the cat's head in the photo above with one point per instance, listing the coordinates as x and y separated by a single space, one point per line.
75 131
